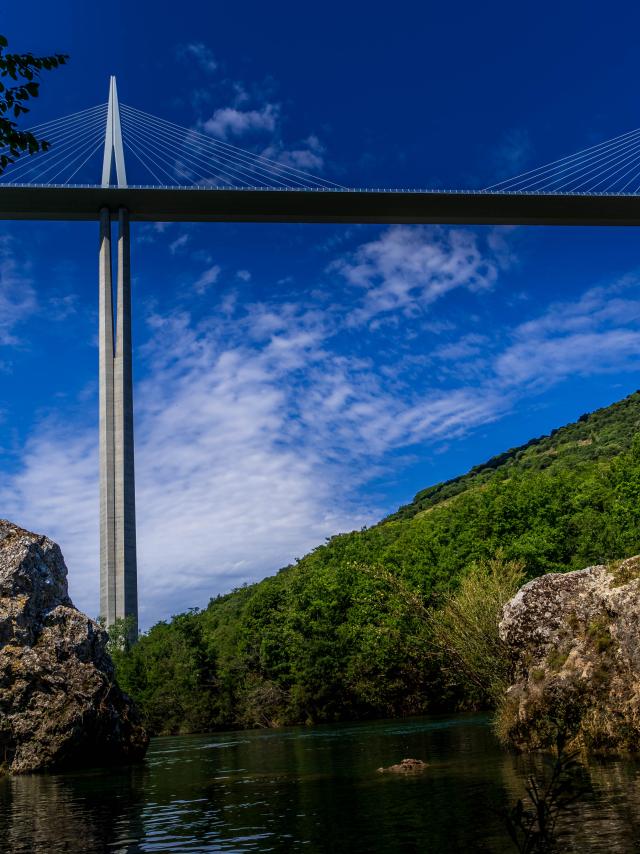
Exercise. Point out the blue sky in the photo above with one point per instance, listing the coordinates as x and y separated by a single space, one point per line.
294 381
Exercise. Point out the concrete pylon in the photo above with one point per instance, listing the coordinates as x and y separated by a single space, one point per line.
118 561
107 448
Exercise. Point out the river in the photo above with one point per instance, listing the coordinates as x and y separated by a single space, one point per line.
309 789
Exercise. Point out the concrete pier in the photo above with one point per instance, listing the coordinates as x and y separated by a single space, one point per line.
118 562
107 452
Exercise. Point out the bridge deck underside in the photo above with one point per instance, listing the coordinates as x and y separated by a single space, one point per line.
209 205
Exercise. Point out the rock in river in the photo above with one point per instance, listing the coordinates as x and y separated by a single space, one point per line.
407 766
59 703
574 643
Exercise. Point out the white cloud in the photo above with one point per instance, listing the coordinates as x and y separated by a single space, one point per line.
512 153
466 347
17 295
595 334
227 489
178 244
243 275
253 115
256 431
208 278
55 492
60 308
200 54
408 268
248 430
308 156
148 232
232 122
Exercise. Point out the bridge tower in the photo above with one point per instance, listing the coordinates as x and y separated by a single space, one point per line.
118 562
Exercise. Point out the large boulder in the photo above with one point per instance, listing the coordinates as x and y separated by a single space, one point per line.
59 703
574 643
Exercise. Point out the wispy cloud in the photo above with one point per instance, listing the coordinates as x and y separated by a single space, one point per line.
232 122
596 334
252 115
407 269
200 54
308 155
178 244
513 153
258 428
18 299
207 278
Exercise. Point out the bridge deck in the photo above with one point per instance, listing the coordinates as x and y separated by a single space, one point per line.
342 206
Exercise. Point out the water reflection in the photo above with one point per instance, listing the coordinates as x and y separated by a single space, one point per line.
308 789
92 811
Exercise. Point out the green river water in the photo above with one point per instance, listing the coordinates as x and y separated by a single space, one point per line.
309 789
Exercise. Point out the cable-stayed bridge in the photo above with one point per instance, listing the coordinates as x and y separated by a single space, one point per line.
114 162
183 174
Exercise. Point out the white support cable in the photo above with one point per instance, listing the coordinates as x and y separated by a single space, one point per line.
56 147
589 166
48 178
82 113
68 154
207 161
45 159
204 178
218 143
238 153
578 154
626 167
130 140
631 180
266 165
603 169
259 170
66 130
94 150
578 167
62 126
148 156
91 145
621 168
135 154
193 178
129 132
204 158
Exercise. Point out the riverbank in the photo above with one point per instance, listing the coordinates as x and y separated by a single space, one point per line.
311 788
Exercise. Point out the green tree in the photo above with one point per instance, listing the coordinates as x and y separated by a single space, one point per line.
400 618
22 69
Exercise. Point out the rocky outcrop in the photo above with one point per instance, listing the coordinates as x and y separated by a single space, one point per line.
574 643
59 703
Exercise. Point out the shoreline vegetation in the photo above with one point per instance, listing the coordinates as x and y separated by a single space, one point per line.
401 618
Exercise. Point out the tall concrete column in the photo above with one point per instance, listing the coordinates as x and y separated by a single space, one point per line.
125 501
107 451
118 563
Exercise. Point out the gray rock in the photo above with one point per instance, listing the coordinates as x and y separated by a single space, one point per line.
574 644
59 703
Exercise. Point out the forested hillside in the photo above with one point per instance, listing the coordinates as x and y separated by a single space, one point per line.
347 632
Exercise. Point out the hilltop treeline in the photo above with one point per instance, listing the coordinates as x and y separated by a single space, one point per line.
348 631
